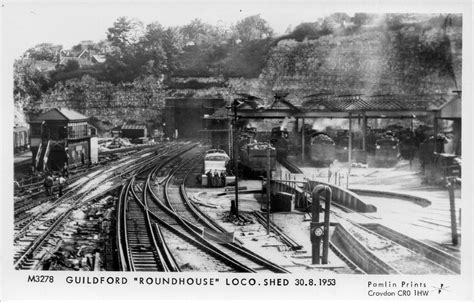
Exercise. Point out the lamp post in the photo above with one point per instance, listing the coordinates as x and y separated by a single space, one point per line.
235 153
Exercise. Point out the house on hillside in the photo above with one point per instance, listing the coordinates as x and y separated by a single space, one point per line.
80 61
85 57
98 59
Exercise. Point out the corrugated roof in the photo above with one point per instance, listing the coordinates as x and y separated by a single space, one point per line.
337 103
280 103
133 127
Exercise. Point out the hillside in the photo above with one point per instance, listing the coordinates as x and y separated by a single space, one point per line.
410 57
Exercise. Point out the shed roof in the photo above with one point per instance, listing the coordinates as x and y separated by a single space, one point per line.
61 114
338 103
281 103
133 127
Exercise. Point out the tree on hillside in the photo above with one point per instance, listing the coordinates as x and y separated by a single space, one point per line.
125 33
71 65
198 33
306 31
161 47
173 48
28 83
253 28
361 19
45 52
126 60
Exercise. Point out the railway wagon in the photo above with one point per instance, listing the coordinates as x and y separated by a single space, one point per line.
280 140
253 158
322 149
215 170
386 151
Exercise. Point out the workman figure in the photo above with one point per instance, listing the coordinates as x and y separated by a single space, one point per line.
65 170
218 180
209 178
215 178
223 179
48 184
62 184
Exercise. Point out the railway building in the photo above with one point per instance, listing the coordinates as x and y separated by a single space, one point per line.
62 136
21 138
134 132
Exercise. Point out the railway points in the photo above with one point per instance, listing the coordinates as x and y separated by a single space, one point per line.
245 205
166 220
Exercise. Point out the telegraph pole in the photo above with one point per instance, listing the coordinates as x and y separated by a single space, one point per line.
452 210
268 187
235 153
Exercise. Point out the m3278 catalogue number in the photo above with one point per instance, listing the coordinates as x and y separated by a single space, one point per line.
40 278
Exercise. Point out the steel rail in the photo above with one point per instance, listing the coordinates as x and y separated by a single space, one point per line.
72 204
205 221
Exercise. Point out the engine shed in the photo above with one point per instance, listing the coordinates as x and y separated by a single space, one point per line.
62 136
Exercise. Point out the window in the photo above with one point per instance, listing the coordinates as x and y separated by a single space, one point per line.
77 130
216 158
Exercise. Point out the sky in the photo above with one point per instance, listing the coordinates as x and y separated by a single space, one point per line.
26 24
67 24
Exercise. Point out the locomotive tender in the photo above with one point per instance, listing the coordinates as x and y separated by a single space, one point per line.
253 158
322 149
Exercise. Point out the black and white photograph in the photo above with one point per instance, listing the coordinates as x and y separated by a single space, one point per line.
269 146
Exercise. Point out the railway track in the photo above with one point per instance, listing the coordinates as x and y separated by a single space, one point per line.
181 245
174 200
22 212
165 245
34 234
30 193
141 251
410 261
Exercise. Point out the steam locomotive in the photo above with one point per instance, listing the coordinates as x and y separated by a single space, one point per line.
386 150
322 149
